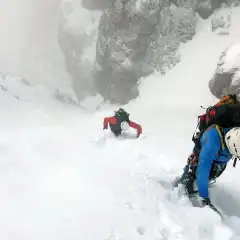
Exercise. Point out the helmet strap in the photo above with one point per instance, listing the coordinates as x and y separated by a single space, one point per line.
235 161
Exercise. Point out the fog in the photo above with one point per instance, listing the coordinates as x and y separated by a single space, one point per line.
28 43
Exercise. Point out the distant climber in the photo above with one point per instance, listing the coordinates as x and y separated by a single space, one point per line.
120 122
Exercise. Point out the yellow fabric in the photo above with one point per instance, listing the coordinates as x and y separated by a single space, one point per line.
221 137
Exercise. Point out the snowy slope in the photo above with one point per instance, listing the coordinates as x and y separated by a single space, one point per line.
62 178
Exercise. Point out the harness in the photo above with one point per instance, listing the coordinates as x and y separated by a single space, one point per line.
223 143
196 140
221 134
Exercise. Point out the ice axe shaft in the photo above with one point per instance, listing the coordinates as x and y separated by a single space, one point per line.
215 210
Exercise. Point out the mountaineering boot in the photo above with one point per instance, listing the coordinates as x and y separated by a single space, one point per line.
179 180
189 184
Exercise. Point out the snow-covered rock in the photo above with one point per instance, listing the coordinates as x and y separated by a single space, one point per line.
206 7
227 75
77 38
109 45
221 21
135 39
96 4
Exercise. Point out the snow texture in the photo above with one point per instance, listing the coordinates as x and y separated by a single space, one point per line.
62 177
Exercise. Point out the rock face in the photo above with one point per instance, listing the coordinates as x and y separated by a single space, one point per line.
110 44
77 34
96 4
221 22
226 79
205 8
135 38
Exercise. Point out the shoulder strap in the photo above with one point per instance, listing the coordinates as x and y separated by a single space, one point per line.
221 136
235 161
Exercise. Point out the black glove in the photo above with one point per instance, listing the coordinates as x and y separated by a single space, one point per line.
205 202
200 202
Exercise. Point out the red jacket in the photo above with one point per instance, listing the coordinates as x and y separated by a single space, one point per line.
115 124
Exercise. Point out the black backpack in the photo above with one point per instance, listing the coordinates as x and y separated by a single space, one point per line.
122 115
223 116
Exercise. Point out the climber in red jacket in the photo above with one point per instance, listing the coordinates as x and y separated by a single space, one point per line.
120 122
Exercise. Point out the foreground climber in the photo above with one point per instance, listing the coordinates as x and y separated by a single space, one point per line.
217 141
120 122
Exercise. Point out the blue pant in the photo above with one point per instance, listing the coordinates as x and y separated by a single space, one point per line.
190 174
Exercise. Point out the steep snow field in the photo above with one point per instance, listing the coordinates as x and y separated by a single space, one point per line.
62 178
